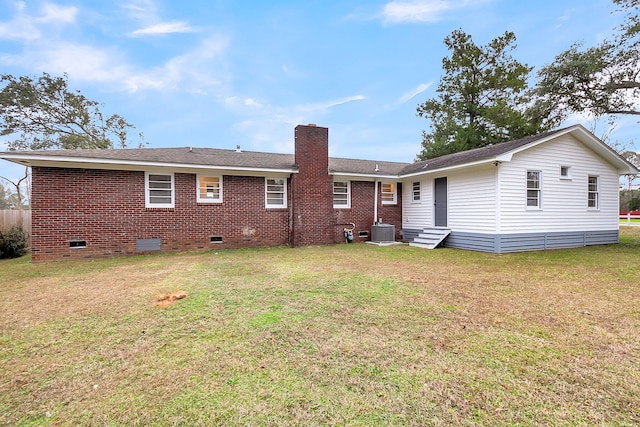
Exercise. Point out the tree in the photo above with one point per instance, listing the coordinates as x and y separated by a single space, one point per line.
21 198
483 98
6 197
44 114
601 80
633 158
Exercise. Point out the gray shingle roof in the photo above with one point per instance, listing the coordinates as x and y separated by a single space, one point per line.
472 156
366 167
180 155
219 158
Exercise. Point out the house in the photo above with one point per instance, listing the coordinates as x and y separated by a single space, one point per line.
554 190
559 189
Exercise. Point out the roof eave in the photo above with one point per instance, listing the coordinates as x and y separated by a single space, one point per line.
364 175
453 167
95 163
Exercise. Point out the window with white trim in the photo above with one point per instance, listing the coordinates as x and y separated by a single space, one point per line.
534 189
159 190
275 193
388 193
592 192
341 194
209 189
565 172
417 192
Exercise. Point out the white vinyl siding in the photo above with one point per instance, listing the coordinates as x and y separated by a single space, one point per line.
275 193
492 199
341 194
472 199
209 189
159 190
564 200
417 215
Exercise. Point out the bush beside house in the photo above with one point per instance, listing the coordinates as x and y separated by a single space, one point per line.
13 242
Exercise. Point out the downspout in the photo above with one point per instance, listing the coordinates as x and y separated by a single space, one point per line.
375 201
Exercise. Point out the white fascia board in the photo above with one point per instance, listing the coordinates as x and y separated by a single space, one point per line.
116 164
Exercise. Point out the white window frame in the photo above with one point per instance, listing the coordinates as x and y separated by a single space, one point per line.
596 192
267 192
394 194
538 190
348 194
568 174
148 188
199 197
416 191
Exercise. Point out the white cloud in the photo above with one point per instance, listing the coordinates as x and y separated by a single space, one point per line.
145 12
328 104
164 28
23 26
397 12
189 71
268 127
407 96
58 14
250 102
415 11
192 71
142 10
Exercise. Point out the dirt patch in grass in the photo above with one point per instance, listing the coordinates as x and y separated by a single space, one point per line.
165 300
341 335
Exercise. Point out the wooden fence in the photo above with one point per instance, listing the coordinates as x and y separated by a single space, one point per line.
629 219
9 218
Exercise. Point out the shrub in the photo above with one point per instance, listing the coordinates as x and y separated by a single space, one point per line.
13 242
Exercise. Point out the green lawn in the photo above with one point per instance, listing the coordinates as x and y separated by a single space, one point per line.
338 335
633 221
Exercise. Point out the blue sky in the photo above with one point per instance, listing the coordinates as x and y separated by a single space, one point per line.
224 73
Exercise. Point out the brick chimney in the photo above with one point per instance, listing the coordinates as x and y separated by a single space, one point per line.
312 188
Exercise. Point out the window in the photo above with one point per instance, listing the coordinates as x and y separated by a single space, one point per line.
209 189
388 194
341 194
533 189
159 190
592 193
565 172
416 191
276 193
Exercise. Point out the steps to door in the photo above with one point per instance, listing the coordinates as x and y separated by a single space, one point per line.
430 238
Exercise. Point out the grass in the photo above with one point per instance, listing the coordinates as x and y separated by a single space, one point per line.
339 335
633 221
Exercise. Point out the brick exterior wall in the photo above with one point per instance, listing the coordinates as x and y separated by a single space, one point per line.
107 210
361 211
